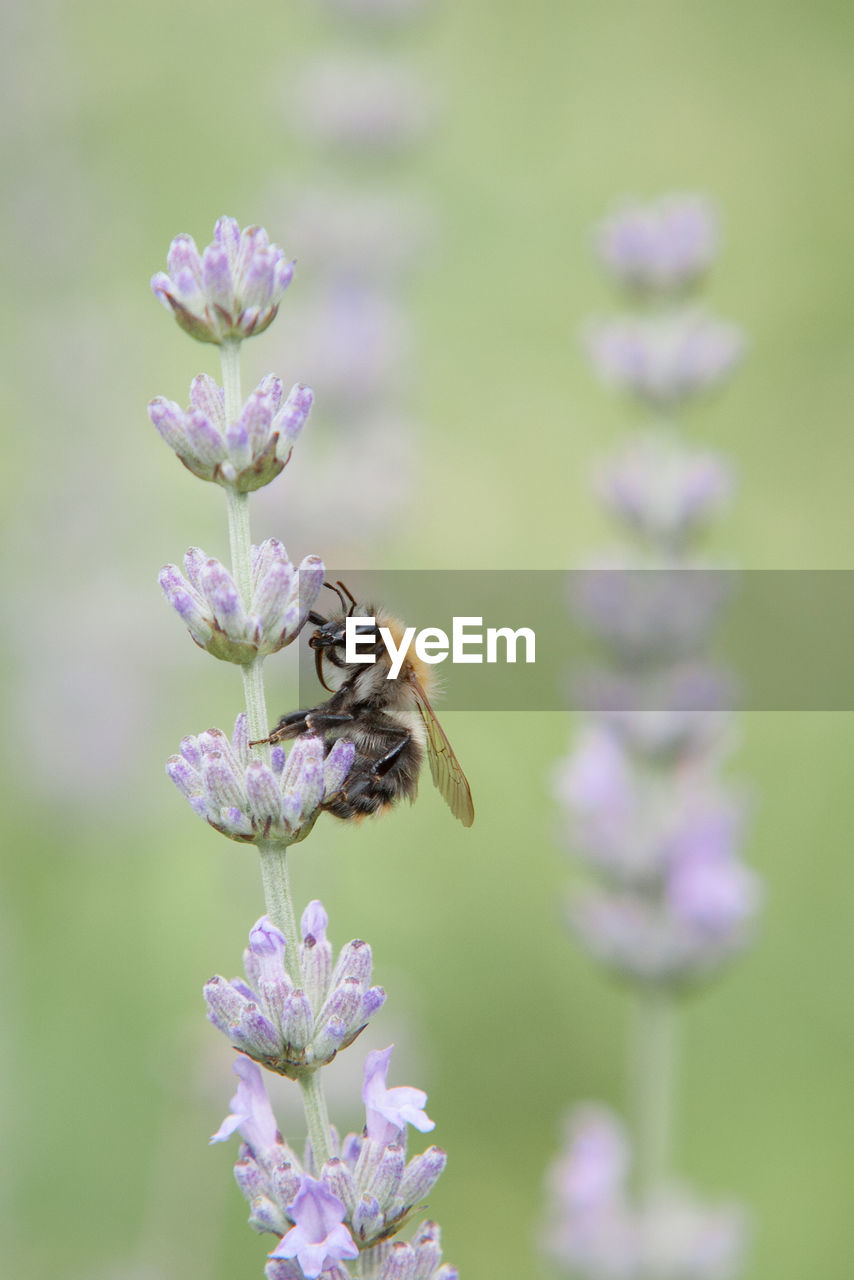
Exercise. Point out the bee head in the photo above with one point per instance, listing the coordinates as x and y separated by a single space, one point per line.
329 642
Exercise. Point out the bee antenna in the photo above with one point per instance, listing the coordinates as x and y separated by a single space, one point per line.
349 595
332 586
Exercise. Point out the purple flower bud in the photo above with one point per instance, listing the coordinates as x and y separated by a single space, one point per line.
220 591
291 418
421 1175
267 1216
386 1180
399 1263
372 1001
210 605
354 962
243 798
285 1178
187 604
225 1004
318 1238
186 778
240 454
297 1021
255 1035
251 1178
339 1179
229 292
367 1218
267 944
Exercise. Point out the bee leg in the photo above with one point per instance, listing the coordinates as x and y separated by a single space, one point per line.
326 720
290 726
386 762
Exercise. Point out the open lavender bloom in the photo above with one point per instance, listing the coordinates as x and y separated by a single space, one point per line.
598 1231
247 800
664 247
666 358
231 290
380 1189
245 454
209 603
295 1014
318 1239
372 1182
418 1259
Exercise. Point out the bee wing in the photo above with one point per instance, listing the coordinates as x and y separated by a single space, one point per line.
444 765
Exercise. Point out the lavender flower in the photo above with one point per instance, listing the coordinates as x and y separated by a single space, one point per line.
297 1012
370 104
209 603
667 358
370 1178
318 1238
243 455
247 800
372 237
600 1232
389 1111
231 290
656 614
664 247
678 713
390 10
251 1112
676 900
664 492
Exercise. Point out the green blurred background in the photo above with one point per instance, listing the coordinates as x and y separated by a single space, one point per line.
128 123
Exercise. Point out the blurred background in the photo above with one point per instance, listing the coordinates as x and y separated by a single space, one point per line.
448 162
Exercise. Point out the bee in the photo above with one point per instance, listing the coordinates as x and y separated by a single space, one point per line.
389 721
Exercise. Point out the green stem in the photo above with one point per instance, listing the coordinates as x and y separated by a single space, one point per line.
273 854
279 903
317 1117
653 1067
277 896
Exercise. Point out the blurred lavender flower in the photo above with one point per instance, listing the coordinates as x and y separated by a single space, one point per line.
601 1233
242 455
677 899
295 1015
665 358
350 235
367 103
231 290
390 10
663 491
247 800
209 603
664 247
681 711
657 612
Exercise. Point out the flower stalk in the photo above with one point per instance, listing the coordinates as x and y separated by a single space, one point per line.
299 1006
648 810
